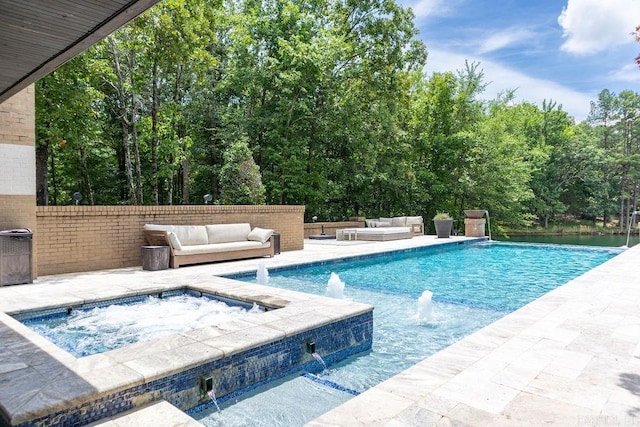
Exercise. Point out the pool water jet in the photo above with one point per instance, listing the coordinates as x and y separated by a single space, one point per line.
262 274
425 308
335 287
319 360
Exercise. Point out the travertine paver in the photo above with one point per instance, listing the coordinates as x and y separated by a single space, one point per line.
159 414
571 357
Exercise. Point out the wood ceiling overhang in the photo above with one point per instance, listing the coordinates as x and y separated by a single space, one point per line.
37 36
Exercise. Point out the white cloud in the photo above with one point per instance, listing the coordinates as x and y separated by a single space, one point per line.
629 73
504 38
591 26
501 79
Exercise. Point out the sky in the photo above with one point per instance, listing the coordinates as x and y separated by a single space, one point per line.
566 51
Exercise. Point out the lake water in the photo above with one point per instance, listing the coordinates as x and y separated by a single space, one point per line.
570 239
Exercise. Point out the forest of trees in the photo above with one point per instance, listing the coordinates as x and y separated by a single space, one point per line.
332 103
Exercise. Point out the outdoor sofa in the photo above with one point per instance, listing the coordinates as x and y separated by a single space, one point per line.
193 244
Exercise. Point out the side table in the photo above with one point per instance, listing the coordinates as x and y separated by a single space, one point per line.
155 257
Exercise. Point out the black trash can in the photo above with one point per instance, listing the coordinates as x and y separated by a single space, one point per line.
16 259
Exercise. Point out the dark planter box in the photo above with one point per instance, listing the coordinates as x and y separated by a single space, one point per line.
443 227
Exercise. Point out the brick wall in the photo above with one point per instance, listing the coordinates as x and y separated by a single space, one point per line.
17 118
17 163
329 227
17 212
87 238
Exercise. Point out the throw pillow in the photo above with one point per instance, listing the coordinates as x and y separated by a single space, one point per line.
175 242
260 235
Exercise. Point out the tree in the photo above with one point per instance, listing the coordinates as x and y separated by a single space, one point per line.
577 161
176 58
319 89
546 133
500 168
331 103
444 134
68 132
240 179
628 127
603 116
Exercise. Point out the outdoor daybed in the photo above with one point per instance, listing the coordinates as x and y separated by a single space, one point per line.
415 223
379 234
384 229
192 244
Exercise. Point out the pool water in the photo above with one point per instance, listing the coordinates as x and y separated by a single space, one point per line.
472 287
94 330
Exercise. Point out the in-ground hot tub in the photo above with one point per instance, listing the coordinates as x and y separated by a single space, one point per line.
108 325
48 385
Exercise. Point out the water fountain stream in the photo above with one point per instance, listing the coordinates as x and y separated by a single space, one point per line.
262 274
319 360
633 214
488 223
335 287
212 396
425 308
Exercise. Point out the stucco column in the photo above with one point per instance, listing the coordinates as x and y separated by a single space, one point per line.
18 164
474 227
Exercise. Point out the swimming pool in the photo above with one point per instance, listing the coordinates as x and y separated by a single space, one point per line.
472 287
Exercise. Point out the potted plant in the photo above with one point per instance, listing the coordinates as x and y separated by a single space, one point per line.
443 223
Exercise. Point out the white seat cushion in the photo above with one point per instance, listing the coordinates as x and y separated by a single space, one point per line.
191 234
382 230
221 247
223 233
399 221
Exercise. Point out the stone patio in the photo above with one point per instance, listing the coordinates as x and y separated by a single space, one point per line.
571 357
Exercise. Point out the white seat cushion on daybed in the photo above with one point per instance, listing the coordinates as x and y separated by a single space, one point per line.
221 247
382 230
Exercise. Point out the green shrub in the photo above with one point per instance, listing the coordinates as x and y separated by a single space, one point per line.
240 178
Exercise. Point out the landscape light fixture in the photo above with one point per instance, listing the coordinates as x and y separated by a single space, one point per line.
77 196
314 218
207 198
